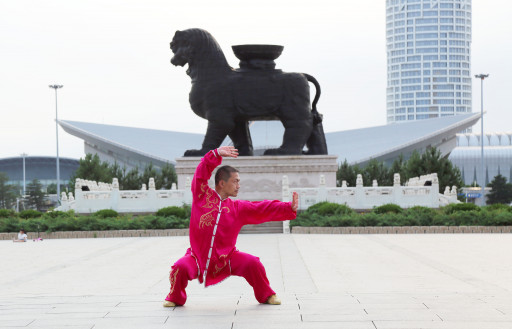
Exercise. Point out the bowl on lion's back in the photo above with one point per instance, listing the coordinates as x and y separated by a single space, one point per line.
265 52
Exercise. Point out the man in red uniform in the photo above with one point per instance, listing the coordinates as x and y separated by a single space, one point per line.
215 222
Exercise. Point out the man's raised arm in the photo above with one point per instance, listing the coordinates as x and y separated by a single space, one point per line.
228 152
208 163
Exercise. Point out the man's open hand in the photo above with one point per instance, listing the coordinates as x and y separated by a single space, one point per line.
228 152
295 201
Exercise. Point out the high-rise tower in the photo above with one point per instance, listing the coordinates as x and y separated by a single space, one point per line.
428 58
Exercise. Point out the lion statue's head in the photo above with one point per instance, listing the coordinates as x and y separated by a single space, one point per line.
194 44
181 48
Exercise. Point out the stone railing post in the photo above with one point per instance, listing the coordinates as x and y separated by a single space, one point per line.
114 195
322 190
434 192
359 193
64 203
285 197
188 191
151 193
454 193
79 197
397 189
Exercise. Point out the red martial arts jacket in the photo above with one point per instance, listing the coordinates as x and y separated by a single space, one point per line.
215 223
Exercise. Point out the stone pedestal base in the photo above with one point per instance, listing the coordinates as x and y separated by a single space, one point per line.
261 176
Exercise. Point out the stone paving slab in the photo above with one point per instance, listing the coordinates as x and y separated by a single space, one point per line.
325 281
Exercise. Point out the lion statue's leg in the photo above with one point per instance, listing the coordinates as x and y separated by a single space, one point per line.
215 135
241 137
296 134
316 143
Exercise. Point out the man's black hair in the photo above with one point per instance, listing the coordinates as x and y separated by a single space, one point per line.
223 173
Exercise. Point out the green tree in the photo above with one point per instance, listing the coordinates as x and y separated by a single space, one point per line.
447 173
347 173
168 176
51 189
36 196
431 161
501 191
8 193
418 164
399 167
413 166
131 181
91 168
376 170
115 171
150 171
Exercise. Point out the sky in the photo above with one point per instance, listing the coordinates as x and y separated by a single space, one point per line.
112 56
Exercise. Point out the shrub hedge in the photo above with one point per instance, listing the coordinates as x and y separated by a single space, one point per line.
387 208
106 213
29 213
103 220
321 214
180 212
461 214
5 213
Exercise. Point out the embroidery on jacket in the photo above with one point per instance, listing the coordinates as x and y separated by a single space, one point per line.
204 188
172 279
210 202
222 258
207 219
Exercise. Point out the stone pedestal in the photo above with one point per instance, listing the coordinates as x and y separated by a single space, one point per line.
261 176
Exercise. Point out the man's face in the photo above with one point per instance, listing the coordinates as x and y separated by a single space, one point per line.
231 187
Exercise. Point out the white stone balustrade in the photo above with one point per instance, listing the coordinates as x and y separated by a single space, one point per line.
418 191
92 196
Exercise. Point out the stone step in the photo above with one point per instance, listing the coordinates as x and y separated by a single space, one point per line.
265 228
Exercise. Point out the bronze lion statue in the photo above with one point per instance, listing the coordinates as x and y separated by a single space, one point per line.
230 98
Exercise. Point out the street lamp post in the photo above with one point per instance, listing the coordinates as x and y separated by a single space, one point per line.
482 77
57 138
24 184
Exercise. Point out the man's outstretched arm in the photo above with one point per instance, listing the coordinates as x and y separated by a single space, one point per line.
268 210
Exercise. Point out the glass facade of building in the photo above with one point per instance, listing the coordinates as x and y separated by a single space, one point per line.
38 167
428 59
467 157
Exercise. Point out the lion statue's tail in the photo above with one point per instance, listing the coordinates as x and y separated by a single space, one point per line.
316 143
317 117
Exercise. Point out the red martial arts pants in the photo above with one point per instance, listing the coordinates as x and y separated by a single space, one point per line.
242 264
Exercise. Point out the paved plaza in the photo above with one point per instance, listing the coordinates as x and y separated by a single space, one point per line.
456 281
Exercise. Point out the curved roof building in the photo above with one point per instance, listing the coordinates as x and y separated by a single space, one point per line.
38 167
137 146
497 157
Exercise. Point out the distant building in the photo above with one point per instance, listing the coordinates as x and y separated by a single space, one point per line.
467 157
132 147
38 167
428 59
